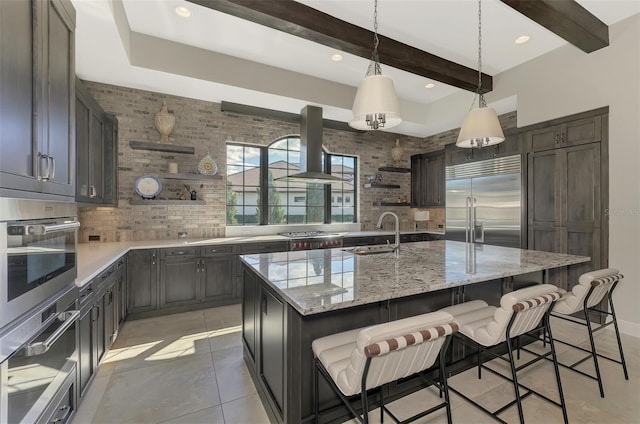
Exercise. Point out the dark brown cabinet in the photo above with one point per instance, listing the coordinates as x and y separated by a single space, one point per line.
142 280
565 134
565 206
272 346
179 277
37 102
427 179
218 277
96 151
512 145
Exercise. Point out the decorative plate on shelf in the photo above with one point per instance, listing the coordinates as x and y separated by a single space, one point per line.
207 166
148 186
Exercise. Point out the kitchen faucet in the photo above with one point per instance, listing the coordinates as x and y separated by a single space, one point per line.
396 245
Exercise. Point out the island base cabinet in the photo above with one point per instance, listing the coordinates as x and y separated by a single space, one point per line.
272 355
249 314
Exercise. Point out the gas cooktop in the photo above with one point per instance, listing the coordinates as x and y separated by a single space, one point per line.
309 234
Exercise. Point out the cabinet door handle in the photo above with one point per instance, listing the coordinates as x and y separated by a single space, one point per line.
179 252
153 259
202 265
43 175
92 191
264 305
556 139
53 167
197 266
562 140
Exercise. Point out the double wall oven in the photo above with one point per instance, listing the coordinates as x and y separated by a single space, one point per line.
38 313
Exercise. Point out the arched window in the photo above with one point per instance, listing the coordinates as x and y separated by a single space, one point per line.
253 177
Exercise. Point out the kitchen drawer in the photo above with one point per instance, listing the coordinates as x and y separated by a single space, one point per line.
105 276
277 246
218 250
86 294
185 252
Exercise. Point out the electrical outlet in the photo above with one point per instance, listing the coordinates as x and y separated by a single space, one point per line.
182 234
94 238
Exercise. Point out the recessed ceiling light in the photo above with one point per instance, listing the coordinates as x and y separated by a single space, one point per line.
430 85
522 39
183 11
336 57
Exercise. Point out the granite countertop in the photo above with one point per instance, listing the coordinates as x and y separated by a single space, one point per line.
315 281
93 258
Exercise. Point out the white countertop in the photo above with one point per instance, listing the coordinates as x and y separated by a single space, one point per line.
315 281
93 258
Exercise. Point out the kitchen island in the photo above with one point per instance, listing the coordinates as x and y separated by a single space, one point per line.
292 298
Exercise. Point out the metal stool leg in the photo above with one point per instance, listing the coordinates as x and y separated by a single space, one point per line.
443 384
316 391
515 380
555 366
593 350
615 326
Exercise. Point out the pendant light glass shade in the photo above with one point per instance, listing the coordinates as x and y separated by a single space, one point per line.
376 104
480 128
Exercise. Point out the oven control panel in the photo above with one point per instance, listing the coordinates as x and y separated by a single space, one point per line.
315 244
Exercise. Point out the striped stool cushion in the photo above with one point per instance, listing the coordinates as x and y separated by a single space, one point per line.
601 280
401 342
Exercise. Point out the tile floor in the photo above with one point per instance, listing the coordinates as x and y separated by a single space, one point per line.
188 368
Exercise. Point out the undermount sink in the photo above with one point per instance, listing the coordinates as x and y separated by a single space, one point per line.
369 250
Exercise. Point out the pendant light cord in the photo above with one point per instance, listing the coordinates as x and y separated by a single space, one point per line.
481 102
375 59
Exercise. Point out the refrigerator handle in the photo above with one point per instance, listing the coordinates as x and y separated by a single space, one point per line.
477 224
467 231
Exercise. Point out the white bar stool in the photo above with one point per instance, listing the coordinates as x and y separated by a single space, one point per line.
584 297
520 312
357 361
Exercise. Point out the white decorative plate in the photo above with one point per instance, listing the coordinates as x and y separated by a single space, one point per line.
148 186
207 166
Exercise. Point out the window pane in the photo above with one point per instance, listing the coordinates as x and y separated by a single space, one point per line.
252 156
278 158
235 155
315 214
294 144
279 144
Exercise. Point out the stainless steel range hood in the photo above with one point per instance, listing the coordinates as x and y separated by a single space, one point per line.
311 150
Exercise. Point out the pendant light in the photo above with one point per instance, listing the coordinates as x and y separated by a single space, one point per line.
376 104
481 126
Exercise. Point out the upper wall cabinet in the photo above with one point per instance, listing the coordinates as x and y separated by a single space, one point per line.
512 145
37 101
97 151
427 179
565 134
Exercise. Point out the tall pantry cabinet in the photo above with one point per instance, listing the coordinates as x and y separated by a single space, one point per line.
37 102
568 191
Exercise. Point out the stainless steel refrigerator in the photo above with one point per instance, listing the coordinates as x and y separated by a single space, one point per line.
484 202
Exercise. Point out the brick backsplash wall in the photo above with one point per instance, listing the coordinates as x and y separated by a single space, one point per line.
203 125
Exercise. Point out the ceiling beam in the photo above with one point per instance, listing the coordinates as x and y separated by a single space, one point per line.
303 21
567 19
281 116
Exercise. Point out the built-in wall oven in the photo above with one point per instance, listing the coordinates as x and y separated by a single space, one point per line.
37 254
38 360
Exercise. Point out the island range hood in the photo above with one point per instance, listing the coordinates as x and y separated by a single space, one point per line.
311 150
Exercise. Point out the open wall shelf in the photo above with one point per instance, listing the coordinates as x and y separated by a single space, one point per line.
380 185
394 169
162 147
391 204
138 202
198 177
